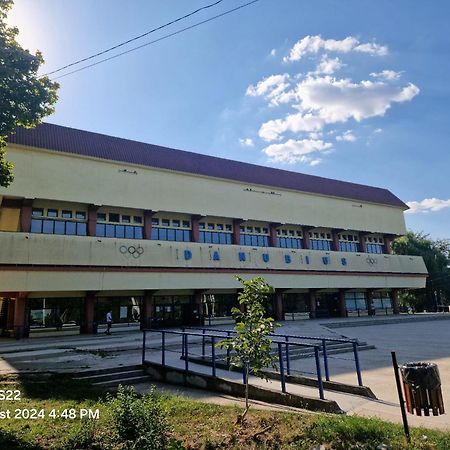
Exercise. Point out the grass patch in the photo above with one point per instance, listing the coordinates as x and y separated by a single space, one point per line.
194 425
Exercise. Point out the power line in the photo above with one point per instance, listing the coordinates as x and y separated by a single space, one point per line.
158 40
134 39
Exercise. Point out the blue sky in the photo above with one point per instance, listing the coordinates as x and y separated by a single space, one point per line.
355 90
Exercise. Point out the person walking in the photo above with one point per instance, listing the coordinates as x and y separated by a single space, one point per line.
109 321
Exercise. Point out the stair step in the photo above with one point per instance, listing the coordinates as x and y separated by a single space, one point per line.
92 372
124 381
112 375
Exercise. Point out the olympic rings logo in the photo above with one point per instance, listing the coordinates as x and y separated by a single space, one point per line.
371 261
135 252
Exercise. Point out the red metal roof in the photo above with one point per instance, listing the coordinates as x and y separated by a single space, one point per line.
85 143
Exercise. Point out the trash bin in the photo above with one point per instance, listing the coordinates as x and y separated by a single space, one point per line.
422 386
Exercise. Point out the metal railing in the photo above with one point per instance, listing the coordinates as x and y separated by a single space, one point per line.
323 344
217 335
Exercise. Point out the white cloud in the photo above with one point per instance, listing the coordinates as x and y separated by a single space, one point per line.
387 75
328 65
314 162
346 136
314 44
273 52
272 88
327 100
378 130
247 142
428 205
293 151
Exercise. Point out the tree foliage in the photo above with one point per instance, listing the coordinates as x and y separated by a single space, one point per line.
250 347
436 255
25 99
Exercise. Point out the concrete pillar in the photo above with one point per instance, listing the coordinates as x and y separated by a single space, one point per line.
388 238
148 215
92 220
25 215
237 231
198 305
10 314
394 299
147 309
273 234
362 243
335 242
195 233
88 322
369 295
20 316
305 232
278 306
342 305
312 304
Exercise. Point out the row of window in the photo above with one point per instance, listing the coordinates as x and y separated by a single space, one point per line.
289 232
255 240
170 234
358 301
215 237
118 218
289 242
119 231
56 213
215 227
68 227
171 223
255 230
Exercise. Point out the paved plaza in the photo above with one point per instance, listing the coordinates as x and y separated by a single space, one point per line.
413 338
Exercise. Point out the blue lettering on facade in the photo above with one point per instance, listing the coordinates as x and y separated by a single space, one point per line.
241 256
325 260
216 256
265 257
344 261
287 259
187 255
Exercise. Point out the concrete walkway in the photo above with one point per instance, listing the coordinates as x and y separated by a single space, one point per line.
414 340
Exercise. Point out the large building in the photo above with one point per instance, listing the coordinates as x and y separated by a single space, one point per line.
94 222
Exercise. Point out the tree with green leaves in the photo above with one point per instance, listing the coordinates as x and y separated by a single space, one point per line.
436 255
25 98
250 346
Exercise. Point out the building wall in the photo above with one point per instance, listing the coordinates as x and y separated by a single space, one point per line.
69 178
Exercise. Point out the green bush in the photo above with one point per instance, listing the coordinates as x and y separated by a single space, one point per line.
140 421
82 438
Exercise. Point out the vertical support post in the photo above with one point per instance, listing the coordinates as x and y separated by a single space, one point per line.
228 350
195 232
306 241
319 373
394 299
182 343
148 215
163 348
186 353
362 248
213 355
144 336
282 378
358 368
342 305
25 216
370 310
400 397
335 240
203 343
273 234
312 304
325 359
388 243
237 231
288 362
20 316
89 313
92 220
279 306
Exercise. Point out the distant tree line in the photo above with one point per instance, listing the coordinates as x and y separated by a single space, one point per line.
436 255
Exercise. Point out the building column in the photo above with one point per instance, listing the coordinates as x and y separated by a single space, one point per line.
92 220
88 322
279 309
312 304
305 232
195 233
198 305
362 243
20 316
335 242
10 314
342 305
370 310
147 309
273 234
237 231
25 215
148 215
394 299
388 238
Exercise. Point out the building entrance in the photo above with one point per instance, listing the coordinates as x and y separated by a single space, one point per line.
174 311
327 304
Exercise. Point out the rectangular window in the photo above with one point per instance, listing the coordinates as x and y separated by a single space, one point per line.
228 227
114 217
210 226
100 230
101 217
47 226
37 212
126 219
52 213
155 221
80 215
71 228
36 226
109 230
81 229
120 231
137 219
138 233
66 214
60 227
129 232
165 222
219 226
187 224
176 223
